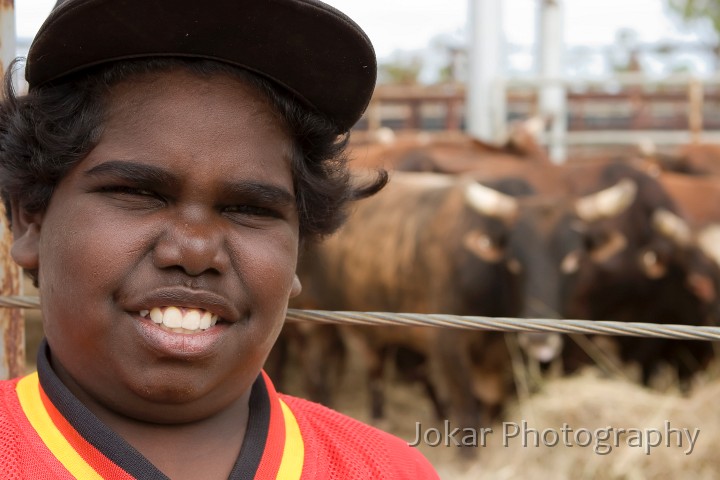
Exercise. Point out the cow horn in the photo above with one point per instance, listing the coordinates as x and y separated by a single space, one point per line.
607 203
490 202
709 241
672 226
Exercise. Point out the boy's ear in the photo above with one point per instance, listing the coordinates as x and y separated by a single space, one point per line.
296 287
26 236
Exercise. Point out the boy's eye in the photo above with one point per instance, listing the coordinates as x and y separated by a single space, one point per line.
133 196
128 190
252 210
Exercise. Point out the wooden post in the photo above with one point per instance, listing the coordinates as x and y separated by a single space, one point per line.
12 340
695 109
452 115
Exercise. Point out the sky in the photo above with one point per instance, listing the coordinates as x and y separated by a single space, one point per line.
410 24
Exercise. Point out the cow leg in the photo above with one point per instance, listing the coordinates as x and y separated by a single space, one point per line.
324 361
692 357
376 374
455 366
431 392
415 367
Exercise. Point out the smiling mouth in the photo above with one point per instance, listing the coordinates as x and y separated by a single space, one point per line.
181 319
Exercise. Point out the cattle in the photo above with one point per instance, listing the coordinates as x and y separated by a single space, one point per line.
630 256
602 240
643 251
634 256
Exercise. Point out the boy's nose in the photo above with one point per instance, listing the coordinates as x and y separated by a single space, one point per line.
196 245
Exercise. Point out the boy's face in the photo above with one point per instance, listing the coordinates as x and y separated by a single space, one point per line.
187 201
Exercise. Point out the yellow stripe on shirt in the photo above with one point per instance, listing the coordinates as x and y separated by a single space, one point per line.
293 457
28 390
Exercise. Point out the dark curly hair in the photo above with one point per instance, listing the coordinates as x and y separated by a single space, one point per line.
44 133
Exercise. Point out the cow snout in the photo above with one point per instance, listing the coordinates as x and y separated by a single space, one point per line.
543 347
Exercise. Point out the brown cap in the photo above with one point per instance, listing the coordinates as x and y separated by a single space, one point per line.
308 47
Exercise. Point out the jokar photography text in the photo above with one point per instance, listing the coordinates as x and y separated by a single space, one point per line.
602 441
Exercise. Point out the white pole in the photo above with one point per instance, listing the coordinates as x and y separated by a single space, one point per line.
553 98
485 54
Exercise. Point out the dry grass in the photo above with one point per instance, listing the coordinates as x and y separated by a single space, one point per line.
593 403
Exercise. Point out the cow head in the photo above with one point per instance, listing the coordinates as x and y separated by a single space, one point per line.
488 244
629 245
594 235
530 222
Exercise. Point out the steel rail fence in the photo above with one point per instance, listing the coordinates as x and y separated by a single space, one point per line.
500 324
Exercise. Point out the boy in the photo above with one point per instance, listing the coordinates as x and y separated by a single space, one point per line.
169 160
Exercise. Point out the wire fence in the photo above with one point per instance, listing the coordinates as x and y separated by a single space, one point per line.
528 325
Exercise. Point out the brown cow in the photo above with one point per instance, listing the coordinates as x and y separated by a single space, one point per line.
425 244
697 197
692 159
650 250
438 255
449 154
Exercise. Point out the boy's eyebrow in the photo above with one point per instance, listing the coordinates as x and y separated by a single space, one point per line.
153 175
270 194
133 171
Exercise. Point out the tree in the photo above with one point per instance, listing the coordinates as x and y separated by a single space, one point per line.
698 9
403 68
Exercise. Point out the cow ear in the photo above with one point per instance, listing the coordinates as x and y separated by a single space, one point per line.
481 245
25 249
296 287
702 286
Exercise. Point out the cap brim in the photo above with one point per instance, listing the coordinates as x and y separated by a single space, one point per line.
313 50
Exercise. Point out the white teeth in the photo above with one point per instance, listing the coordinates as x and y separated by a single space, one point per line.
185 320
172 317
156 315
205 321
191 320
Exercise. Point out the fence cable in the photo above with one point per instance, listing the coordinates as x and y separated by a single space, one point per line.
500 324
